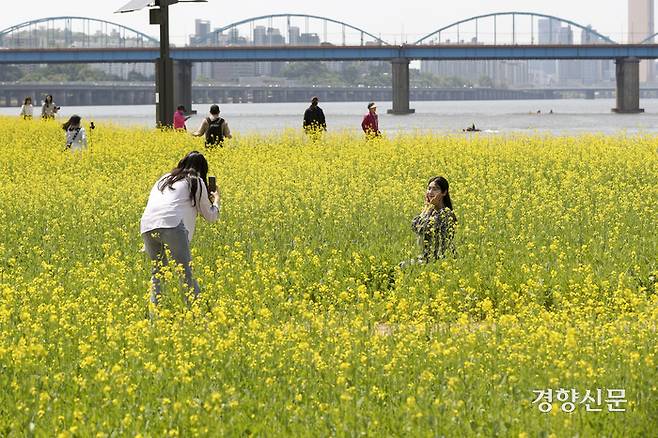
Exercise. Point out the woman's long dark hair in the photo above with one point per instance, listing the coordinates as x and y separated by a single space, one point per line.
445 187
26 99
74 120
193 166
48 99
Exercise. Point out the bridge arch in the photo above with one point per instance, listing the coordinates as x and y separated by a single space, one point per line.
213 35
649 39
6 33
514 13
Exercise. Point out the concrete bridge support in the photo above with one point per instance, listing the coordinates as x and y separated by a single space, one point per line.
400 87
183 84
628 86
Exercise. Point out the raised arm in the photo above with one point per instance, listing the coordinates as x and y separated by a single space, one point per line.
209 211
202 129
83 137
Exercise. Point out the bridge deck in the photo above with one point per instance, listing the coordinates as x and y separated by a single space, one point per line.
332 53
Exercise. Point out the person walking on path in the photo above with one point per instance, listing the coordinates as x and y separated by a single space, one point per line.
314 120
214 128
49 109
435 225
27 110
76 137
170 218
370 123
180 118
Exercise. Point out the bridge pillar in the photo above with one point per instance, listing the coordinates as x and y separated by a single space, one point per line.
86 98
401 87
183 84
628 85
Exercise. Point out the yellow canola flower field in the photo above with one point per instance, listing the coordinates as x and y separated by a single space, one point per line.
306 326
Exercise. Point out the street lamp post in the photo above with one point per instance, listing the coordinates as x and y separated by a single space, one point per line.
164 67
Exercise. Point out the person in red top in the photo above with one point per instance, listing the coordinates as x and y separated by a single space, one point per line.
180 118
370 123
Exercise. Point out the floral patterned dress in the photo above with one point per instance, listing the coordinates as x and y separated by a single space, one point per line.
435 230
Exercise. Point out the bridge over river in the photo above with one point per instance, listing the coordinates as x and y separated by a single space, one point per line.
143 93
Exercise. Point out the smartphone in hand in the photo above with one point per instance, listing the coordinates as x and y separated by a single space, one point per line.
212 184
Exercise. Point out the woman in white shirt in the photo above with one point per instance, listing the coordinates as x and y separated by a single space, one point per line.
49 109
170 217
27 110
76 138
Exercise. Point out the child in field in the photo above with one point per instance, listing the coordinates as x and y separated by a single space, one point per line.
170 217
27 110
435 225
76 138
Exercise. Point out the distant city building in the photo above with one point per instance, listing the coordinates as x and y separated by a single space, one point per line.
501 73
568 72
598 71
293 36
246 71
200 37
640 27
533 73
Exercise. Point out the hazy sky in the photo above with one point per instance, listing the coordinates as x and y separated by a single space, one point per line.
388 18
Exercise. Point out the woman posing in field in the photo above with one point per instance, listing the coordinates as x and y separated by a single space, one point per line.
170 217
435 225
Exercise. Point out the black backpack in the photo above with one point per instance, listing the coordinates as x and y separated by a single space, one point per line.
214 133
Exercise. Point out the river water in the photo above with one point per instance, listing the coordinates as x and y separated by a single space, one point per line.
570 116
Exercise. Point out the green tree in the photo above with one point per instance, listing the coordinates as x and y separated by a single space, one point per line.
486 81
68 72
136 76
316 73
10 73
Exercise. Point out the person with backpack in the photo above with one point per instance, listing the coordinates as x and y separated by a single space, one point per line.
214 128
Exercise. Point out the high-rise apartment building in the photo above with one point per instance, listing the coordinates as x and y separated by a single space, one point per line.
640 27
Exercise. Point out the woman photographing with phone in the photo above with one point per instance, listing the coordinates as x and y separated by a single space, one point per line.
170 217
76 137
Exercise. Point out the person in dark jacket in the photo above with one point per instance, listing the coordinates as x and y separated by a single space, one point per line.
314 120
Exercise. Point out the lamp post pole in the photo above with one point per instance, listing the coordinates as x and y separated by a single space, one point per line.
164 69
164 66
